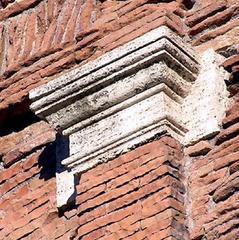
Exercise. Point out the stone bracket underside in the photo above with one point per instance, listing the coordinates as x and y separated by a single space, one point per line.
152 85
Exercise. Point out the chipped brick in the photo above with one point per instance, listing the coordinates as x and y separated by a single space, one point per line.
200 148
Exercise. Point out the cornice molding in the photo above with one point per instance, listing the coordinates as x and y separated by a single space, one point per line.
127 97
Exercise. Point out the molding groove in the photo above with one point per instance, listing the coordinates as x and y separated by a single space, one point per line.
129 96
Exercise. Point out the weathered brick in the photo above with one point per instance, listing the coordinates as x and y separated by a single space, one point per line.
228 133
71 29
122 165
227 160
227 147
234 167
30 35
230 62
65 15
201 148
229 187
21 232
195 17
122 192
215 20
16 145
232 116
216 32
15 8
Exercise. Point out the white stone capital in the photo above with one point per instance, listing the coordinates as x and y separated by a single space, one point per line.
130 96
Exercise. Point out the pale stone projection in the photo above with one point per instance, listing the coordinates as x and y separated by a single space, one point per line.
130 96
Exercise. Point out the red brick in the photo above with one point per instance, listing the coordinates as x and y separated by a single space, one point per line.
234 167
122 165
130 7
97 234
71 27
235 69
65 14
70 214
15 8
228 188
201 148
198 16
224 149
6 174
226 161
146 28
21 192
232 116
21 232
216 32
137 170
10 42
141 193
30 35
81 198
86 14
15 145
58 66
48 38
50 11
109 195
231 61
228 133
31 161
217 19
41 26
129 28
91 215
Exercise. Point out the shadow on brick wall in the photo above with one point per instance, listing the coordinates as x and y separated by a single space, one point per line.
47 162
51 157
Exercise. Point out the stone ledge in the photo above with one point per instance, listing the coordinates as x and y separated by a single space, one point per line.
122 91
149 87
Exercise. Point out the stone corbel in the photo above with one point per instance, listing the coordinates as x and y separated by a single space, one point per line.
129 96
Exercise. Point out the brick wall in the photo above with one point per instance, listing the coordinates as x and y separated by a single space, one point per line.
213 179
153 192
138 195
